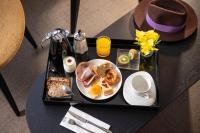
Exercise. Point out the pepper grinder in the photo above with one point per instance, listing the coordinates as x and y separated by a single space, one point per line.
80 46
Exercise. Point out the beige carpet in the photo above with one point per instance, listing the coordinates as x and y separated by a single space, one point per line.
94 15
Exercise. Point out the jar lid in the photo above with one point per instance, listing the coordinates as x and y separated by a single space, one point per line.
79 35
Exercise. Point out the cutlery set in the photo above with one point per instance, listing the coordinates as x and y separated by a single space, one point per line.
73 122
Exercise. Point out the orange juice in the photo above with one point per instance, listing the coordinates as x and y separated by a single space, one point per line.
103 46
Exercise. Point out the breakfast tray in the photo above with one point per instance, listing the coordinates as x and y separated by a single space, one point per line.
149 65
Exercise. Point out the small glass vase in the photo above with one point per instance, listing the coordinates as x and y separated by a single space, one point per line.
146 62
147 56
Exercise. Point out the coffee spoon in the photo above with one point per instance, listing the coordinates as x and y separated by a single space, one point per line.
67 90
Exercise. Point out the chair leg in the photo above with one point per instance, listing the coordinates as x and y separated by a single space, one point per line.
30 38
9 96
74 14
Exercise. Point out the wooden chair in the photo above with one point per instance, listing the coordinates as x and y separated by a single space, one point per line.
12 27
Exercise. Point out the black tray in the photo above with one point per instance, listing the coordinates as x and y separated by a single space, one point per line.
146 64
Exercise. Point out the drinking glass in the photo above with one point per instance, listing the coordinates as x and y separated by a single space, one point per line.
103 46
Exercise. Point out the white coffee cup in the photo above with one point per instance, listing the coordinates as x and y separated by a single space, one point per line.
141 85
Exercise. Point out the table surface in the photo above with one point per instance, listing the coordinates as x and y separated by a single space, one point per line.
12 27
179 68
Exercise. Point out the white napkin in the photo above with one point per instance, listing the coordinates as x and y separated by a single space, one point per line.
88 126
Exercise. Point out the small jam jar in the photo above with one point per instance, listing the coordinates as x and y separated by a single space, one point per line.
69 64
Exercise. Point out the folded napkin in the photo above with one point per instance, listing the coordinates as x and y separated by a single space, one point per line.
88 126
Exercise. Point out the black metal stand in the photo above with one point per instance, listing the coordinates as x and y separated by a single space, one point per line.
30 38
9 96
74 14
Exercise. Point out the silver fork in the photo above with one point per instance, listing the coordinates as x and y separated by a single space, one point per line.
73 122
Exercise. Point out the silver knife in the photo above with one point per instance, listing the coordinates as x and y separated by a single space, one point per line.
87 121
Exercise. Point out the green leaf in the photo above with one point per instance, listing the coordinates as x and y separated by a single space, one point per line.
137 43
158 42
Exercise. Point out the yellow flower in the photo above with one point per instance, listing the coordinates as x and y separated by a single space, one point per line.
147 40
146 48
154 49
151 34
140 36
139 33
150 42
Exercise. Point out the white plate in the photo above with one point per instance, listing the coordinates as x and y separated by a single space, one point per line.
84 90
135 99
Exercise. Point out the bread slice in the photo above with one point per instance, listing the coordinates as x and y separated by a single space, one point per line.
55 86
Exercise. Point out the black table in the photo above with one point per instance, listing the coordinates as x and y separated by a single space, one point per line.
179 69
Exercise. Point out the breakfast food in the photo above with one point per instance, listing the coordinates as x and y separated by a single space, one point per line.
85 74
112 77
79 70
95 91
87 77
107 89
102 69
132 54
97 80
123 59
55 86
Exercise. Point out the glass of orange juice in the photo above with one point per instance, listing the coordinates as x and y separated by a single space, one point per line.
103 46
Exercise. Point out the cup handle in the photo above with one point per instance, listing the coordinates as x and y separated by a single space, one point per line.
145 95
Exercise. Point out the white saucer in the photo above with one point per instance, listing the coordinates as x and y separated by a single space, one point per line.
135 99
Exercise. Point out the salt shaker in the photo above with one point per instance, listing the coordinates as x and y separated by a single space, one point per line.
80 43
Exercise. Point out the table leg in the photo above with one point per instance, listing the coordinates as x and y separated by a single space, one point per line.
74 14
9 96
30 38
